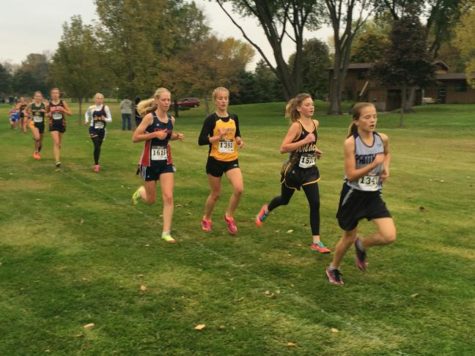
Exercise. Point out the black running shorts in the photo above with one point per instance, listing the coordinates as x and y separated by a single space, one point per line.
356 205
217 168
295 178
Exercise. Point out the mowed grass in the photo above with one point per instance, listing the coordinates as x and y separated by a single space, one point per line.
73 251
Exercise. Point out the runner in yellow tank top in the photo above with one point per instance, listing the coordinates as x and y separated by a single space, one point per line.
221 132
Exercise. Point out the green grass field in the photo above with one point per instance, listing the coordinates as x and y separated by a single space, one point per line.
73 251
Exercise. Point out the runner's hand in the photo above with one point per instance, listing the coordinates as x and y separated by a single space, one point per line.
239 142
318 153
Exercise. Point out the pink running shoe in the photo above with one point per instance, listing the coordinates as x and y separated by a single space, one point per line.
97 168
232 228
206 225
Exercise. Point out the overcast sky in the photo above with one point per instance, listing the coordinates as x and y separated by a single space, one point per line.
35 26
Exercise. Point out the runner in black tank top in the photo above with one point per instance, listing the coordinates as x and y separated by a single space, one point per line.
36 115
97 116
156 130
300 170
57 110
367 161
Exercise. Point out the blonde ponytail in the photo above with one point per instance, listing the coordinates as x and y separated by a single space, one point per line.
293 104
147 106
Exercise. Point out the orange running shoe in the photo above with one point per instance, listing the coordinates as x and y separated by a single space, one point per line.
262 216
319 247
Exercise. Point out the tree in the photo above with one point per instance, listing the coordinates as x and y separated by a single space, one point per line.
207 64
465 42
371 42
32 75
315 64
407 62
268 86
441 17
346 18
138 35
279 19
76 66
5 81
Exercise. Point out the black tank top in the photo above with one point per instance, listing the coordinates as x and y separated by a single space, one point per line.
38 116
96 114
304 156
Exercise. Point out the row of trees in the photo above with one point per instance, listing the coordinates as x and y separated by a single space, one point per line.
289 19
138 45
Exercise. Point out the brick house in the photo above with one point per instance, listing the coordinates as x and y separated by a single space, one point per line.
450 88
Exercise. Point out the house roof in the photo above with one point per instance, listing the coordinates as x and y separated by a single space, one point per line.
451 76
360 65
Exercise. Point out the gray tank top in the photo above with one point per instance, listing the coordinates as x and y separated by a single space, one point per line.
365 155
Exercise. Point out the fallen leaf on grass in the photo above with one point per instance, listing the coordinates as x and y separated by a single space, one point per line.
334 330
291 344
89 326
81 221
200 327
269 294
143 288
290 231
414 295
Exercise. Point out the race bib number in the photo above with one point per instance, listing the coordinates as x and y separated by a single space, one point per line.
159 153
226 147
57 116
370 183
37 119
307 161
99 125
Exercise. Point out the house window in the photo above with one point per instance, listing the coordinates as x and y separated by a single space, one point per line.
461 86
361 75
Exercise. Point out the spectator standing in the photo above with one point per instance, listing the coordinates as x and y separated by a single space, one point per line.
126 112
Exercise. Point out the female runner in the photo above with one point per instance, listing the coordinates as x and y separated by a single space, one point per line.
156 130
300 171
97 116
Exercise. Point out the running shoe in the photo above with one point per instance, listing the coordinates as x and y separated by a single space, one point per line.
360 256
319 247
58 165
136 196
262 216
334 276
206 225
168 238
36 155
97 168
232 228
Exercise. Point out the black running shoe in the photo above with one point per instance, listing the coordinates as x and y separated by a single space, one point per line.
360 256
334 276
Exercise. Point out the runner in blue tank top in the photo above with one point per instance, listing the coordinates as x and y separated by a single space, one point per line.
367 161
156 129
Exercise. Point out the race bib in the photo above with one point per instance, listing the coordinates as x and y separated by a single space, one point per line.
226 147
307 161
99 125
369 183
57 116
159 153
37 119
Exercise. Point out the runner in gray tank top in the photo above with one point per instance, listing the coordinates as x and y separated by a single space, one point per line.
367 161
